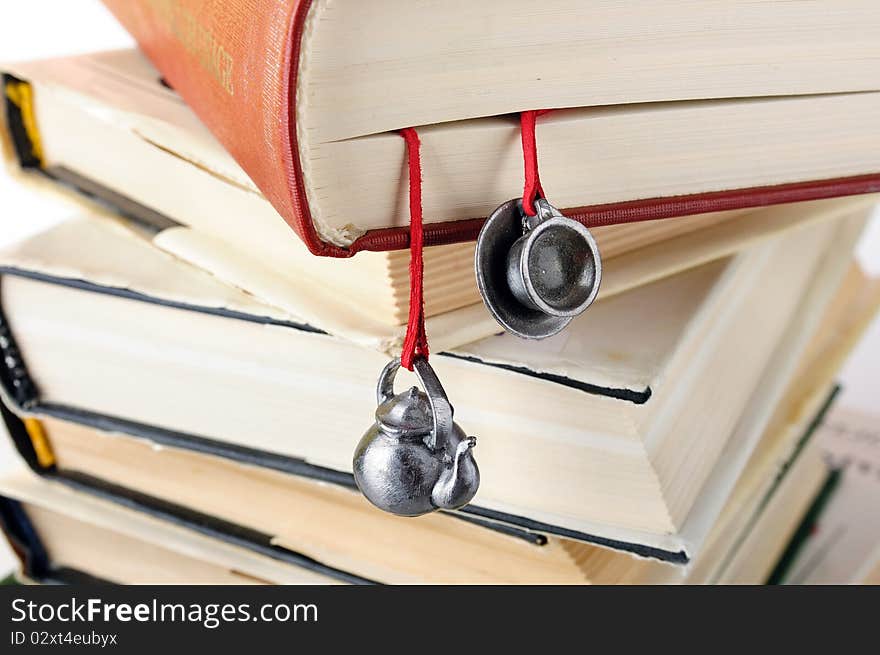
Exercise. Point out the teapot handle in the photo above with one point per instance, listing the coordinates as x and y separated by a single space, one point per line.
441 409
385 386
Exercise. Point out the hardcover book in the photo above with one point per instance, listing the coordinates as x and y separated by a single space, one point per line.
61 549
303 93
104 124
620 422
328 523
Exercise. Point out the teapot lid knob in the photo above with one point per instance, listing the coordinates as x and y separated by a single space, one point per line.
440 409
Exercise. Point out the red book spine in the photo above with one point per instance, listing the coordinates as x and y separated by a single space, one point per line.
235 63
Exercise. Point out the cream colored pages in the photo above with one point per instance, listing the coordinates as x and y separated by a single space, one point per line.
605 350
587 344
450 330
86 128
592 157
106 252
596 348
336 314
26 487
85 136
116 98
777 376
470 167
119 558
443 60
854 304
126 81
753 560
703 516
745 505
115 336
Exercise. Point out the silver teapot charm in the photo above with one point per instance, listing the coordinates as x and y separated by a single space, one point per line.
415 459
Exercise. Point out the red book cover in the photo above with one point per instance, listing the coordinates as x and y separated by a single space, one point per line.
235 63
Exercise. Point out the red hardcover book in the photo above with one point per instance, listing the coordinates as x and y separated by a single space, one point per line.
236 64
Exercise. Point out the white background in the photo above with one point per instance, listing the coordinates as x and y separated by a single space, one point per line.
32 29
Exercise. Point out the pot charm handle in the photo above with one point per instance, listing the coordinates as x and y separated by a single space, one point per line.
385 386
441 409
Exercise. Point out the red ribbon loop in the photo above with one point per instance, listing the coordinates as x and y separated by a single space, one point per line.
532 188
416 341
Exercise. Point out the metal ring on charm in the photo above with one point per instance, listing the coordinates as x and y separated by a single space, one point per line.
441 408
536 273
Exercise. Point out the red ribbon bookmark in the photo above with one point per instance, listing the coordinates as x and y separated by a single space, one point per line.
415 343
532 188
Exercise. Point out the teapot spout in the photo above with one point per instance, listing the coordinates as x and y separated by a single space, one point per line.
464 447
458 483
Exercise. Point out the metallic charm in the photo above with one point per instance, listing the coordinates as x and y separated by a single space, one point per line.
536 273
415 459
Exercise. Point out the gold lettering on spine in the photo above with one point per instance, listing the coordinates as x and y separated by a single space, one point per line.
198 40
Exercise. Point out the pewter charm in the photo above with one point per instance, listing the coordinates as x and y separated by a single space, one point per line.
415 459
536 273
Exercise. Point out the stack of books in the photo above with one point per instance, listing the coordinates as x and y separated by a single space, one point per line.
185 379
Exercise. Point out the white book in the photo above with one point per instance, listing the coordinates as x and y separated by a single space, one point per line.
609 432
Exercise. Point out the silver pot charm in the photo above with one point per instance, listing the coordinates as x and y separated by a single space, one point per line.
415 459
536 273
